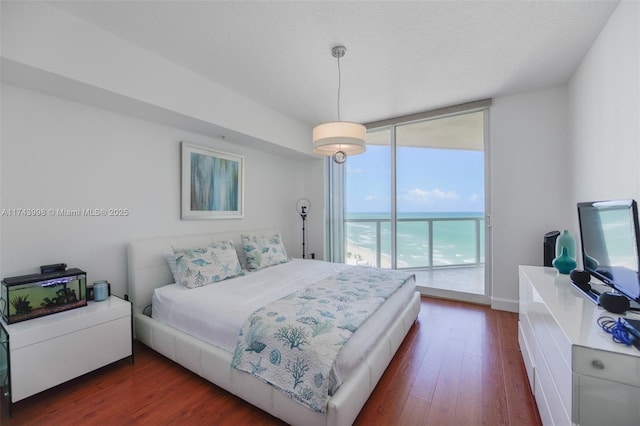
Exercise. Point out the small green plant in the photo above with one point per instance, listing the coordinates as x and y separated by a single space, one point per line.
21 304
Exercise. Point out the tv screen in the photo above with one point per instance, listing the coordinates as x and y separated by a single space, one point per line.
609 239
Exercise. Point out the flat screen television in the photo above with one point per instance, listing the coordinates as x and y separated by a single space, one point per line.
609 240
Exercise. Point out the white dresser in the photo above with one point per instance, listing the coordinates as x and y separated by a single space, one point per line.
577 373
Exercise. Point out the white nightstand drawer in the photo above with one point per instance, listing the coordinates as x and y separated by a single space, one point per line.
51 362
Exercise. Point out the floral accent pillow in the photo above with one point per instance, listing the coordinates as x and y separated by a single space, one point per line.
197 267
264 251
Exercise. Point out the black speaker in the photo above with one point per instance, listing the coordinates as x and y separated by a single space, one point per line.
549 250
614 302
580 278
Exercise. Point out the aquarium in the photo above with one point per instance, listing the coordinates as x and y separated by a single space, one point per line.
30 296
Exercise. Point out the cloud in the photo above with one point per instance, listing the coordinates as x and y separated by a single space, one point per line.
423 196
371 198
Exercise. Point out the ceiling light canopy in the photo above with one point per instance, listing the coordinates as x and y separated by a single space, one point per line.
339 138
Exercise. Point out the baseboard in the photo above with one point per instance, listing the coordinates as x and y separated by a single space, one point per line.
498 304
452 295
504 304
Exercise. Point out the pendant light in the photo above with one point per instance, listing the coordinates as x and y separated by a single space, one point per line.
339 138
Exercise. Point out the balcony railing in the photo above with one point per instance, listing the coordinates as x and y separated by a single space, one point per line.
476 237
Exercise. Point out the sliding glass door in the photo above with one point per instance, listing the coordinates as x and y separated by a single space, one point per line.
416 200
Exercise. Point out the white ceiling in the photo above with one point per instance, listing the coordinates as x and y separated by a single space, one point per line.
402 57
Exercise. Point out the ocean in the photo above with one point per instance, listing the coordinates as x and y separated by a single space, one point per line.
454 237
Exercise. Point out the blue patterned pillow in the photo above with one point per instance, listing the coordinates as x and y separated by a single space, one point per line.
200 266
264 251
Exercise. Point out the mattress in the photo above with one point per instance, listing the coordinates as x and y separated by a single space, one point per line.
215 313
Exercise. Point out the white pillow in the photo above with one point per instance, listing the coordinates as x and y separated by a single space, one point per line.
264 251
171 262
200 266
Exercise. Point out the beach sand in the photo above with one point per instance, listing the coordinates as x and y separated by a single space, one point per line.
355 255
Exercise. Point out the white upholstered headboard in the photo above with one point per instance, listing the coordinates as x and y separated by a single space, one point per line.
147 264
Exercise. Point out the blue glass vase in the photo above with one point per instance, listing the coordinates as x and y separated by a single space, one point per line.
564 263
566 240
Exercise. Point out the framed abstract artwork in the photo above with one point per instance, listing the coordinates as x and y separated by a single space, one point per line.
212 183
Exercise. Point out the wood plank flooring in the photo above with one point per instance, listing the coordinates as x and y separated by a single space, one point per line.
459 365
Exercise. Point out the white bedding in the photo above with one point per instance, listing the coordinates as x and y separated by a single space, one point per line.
215 313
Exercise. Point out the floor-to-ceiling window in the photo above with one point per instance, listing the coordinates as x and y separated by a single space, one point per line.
416 200
368 206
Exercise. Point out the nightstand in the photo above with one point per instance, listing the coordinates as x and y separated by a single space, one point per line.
43 352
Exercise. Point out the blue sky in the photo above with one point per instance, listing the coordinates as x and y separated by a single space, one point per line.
429 180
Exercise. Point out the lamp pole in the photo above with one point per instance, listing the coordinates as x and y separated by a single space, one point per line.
303 215
303 206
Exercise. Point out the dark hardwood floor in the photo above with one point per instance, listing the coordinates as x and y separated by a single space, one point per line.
459 365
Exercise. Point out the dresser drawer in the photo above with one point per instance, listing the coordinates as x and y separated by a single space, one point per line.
605 402
527 355
558 404
555 352
607 365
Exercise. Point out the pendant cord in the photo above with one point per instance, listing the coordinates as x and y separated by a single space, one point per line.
339 84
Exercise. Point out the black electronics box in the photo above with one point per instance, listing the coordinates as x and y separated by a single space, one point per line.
549 247
56 267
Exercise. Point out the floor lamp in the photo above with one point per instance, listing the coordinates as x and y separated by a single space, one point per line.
303 207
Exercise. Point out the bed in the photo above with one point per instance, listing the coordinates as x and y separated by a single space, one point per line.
354 379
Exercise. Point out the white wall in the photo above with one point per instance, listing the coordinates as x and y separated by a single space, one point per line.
68 151
47 48
528 143
604 100
62 154
553 148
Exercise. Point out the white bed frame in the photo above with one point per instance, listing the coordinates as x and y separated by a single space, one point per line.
148 269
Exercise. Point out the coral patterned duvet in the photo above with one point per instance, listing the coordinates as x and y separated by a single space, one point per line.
293 342
215 313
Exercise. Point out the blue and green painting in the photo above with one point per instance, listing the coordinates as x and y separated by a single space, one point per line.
214 183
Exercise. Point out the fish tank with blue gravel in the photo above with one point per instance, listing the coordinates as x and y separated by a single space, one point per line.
31 296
